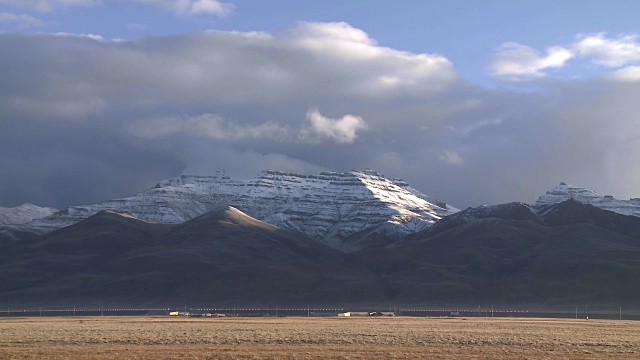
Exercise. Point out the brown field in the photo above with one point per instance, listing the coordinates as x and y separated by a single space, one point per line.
316 338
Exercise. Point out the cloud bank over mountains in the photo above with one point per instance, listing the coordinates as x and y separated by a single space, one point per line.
86 119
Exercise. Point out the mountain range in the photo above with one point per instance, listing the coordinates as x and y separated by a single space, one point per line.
328 206
332 239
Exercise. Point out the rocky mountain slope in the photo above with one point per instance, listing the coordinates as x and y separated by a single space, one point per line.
23 214
328 206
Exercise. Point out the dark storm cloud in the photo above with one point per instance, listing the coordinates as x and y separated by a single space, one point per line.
72 163
85 119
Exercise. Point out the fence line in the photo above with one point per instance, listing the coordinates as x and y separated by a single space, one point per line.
312 311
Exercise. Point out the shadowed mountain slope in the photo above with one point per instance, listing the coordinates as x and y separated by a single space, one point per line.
573 252
510 255
42 266
220 257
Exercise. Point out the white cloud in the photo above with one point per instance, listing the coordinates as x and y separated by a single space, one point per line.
214 126
514 61
210 7
47 5
204 71
339 43
608 52
627 74
342 131
336 37
22 20
193 7
450 157
93 37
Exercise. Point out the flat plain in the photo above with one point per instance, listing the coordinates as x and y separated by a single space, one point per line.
316 338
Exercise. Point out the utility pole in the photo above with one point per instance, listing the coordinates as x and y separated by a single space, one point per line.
586 310
620 312
308 310
576 313
74 310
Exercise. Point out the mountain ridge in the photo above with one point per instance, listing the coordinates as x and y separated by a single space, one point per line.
330 205
402 210
555 254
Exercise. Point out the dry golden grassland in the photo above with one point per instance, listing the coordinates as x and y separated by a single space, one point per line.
316 338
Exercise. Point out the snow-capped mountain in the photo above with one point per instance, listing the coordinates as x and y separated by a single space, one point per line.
566 191
331 205
23 214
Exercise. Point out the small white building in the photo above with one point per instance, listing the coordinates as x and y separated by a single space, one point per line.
345 314
178 313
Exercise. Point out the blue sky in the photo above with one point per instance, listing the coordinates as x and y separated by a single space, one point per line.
474 102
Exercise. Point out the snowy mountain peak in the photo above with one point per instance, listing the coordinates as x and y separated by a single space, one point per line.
23 214
566 191
330 205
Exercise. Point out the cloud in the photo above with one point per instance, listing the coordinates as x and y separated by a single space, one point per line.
216 127
627 74
514 61
450 157
22 20
339 43
47 5
92 37
608 52
193 7
342 131
86 119
210 126
213 93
